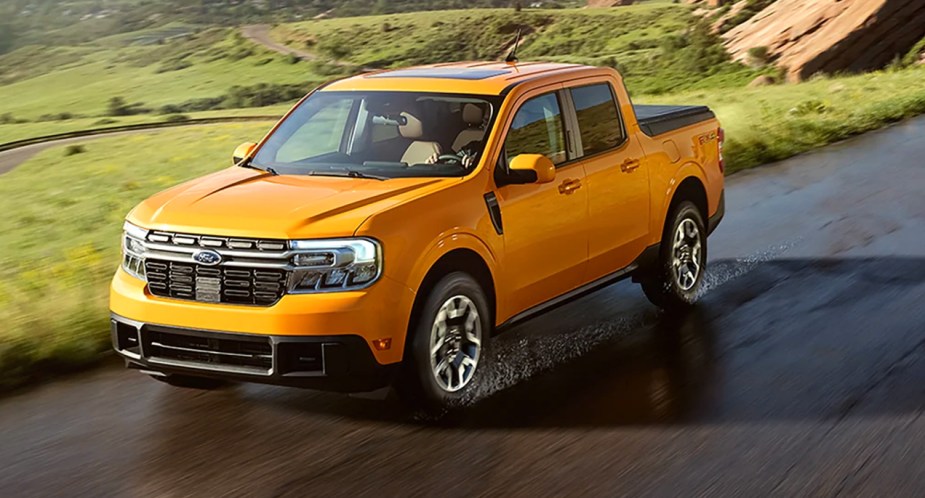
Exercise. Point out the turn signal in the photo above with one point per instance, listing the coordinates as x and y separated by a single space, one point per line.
382 344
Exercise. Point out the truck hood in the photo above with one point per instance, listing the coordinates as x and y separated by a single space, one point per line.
240 202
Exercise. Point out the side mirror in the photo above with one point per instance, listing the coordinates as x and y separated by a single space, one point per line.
243 152
532 168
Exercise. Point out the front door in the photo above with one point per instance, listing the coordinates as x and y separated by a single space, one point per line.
545 237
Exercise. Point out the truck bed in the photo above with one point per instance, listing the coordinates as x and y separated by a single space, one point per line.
658 119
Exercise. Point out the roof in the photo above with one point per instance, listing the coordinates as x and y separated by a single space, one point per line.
480 78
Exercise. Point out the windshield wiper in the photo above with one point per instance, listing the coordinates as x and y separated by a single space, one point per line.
247 164
348 173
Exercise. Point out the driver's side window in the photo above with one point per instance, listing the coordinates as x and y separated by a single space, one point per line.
538 129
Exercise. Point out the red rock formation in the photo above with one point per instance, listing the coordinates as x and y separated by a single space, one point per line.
811 36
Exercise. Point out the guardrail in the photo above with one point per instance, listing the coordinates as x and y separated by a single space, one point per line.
141 126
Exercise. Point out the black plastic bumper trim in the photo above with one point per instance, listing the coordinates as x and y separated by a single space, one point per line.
348 362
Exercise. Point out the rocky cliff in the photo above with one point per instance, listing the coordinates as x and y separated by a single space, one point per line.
811 36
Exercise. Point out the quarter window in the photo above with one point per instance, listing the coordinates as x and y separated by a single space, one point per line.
538 129
598 119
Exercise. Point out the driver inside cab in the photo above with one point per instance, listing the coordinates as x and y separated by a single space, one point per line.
469 141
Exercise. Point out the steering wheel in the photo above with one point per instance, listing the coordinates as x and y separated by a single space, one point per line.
450 158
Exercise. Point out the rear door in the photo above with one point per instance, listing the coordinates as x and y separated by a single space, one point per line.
545 233
616 176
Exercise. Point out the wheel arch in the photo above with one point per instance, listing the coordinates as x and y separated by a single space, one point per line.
691 189
463 259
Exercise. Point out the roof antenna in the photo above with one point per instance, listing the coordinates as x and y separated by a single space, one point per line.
512 57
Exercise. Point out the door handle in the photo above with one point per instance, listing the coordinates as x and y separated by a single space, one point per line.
629 165
568 187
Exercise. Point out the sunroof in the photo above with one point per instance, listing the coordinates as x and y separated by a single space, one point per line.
443 73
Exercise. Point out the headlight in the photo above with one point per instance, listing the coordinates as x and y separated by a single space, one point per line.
133 250
339 264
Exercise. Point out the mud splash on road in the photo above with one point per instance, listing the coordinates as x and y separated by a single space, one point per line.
512 360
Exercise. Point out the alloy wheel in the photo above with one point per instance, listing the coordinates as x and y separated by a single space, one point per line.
455 343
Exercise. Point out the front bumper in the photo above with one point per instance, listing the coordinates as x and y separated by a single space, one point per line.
334 363
380 312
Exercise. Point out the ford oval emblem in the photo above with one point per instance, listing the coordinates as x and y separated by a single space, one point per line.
207 257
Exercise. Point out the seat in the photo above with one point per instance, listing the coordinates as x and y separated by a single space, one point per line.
419 151
473 116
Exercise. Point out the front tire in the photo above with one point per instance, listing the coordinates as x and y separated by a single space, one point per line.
674 284
447 346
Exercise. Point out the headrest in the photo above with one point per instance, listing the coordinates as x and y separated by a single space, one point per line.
413 128
472 114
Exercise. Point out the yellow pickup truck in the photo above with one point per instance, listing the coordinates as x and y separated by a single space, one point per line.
391 223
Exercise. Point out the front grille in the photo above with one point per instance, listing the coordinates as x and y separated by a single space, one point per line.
229 353
231 285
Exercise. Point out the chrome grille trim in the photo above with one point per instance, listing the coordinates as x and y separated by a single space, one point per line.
257 276
211 241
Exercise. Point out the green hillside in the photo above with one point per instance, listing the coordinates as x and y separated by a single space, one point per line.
186 68
67 22
659 46
82 80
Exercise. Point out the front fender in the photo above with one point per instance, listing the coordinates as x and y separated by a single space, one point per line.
445 244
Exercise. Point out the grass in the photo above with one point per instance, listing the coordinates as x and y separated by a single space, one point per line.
84 78
60 241
21 131
768 124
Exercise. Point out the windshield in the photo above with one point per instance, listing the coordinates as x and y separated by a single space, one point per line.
380 135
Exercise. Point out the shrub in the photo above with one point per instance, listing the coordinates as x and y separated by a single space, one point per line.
176 118
173 65
697 51
195 105
262 94
258 95
72 150
63 116
8 118
758 55
119 107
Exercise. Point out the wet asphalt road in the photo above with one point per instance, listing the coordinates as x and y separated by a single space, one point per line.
802 373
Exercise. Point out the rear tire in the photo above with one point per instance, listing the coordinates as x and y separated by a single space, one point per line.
446 347
674 284
190 382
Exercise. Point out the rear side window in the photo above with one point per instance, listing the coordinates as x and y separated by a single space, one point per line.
538 129
598 119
